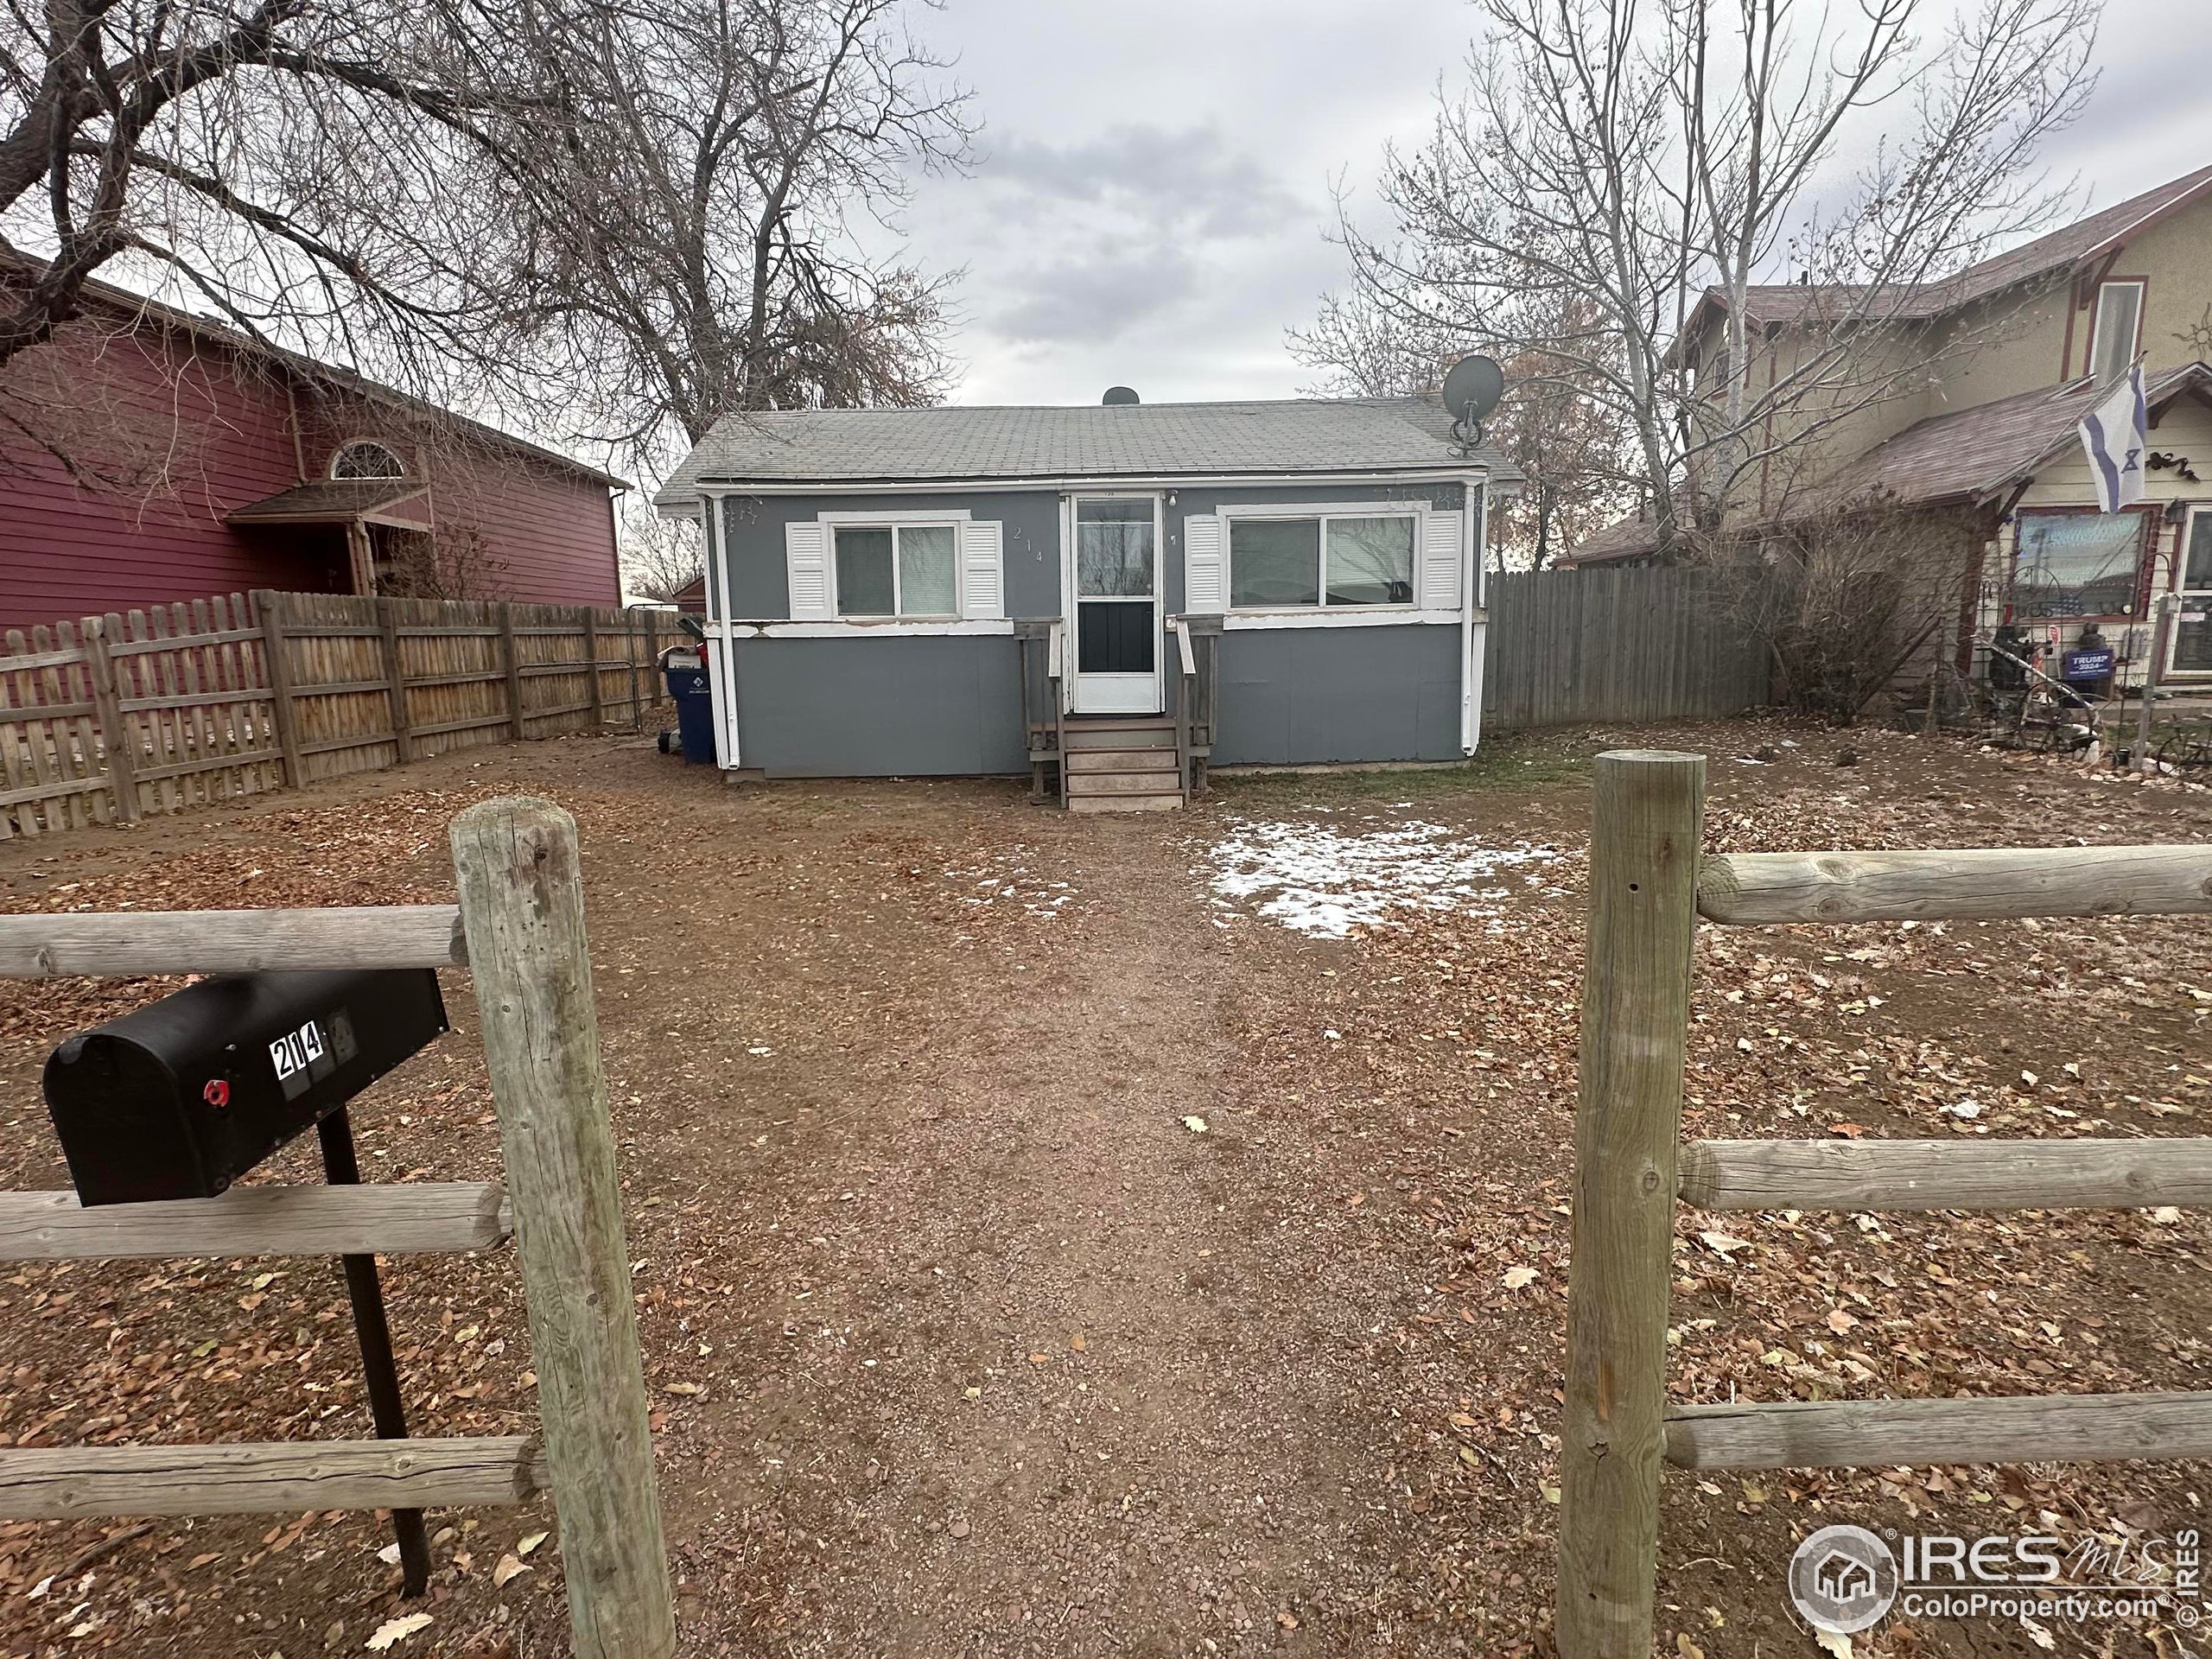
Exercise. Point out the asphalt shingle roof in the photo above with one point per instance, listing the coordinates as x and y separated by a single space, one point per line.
1979 452
2058 250
327 500
1963 455
832 446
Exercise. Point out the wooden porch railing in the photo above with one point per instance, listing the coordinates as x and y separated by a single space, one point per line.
1185 694
1191 648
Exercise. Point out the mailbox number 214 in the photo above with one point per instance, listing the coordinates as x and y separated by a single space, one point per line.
295 1051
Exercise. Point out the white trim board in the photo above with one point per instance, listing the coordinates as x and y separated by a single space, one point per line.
1375 616
874 628
1083 484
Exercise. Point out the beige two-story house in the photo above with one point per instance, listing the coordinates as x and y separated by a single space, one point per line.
1978 383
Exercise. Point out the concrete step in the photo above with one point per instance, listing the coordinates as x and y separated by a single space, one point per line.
1079 761
1125 802
1120 783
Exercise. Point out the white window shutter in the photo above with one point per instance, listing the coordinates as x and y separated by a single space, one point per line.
1205 571
1439 560
982 575
806 562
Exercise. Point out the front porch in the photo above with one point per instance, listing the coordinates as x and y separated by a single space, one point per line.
1127 762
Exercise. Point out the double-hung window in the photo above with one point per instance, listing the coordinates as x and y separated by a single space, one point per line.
2119 324
1329 559
898 570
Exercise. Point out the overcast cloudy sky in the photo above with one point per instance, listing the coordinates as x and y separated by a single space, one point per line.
1155 180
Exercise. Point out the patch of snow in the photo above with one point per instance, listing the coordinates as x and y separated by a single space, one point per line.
1319 880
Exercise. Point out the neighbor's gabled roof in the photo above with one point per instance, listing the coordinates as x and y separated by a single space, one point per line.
1015 446
1977 456
305 370
1980 454
2062 252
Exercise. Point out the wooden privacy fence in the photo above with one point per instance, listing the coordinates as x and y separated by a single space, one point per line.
121 716
519 929
1566 646
1647 889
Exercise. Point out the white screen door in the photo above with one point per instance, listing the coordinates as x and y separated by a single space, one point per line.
2189 650
1115 574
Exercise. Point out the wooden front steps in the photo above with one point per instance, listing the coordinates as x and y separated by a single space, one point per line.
1121 764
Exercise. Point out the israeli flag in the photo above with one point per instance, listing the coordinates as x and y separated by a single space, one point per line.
2115 434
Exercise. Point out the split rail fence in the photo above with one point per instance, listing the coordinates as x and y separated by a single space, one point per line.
519 929
1648 889
124 715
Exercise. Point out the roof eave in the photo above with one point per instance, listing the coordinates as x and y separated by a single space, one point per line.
1449 467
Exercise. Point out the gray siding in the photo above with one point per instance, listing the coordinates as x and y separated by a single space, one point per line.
1293 697
760 591
874 703
880 707
754 528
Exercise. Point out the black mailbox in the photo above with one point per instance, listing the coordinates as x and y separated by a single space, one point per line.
182 1097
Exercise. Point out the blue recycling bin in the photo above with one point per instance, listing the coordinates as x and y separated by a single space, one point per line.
695 705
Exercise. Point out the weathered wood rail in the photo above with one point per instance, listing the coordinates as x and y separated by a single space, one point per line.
117 717
64 1483
1649 887
230 941
413 1219
520 928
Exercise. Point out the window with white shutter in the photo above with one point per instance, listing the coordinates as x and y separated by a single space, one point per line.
806 564
1205 575
1440 535
983 573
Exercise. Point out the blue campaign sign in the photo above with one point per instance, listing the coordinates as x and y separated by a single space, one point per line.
2087 665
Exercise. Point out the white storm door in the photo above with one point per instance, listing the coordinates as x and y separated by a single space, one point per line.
2188 636
1113 586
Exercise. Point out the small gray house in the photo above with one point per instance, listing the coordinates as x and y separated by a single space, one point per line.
1109 598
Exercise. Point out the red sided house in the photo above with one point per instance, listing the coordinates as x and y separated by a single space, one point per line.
148 455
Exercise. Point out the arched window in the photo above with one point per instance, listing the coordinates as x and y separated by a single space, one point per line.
365 458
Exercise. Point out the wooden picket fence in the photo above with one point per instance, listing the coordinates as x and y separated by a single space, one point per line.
1648 889
518 930
121 716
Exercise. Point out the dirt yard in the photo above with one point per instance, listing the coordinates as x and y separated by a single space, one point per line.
1060 1236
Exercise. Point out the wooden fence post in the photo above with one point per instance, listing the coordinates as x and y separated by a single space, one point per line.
395 679
522 910
118 739
630 657
589 618
513 666
1647 820
268 617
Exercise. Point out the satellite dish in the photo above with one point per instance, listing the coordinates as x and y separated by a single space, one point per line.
1472 389
1119 395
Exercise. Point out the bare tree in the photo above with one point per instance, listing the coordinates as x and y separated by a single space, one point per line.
660 557
684 204
1851 597
1611 160
1568 445
598 223
208 148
